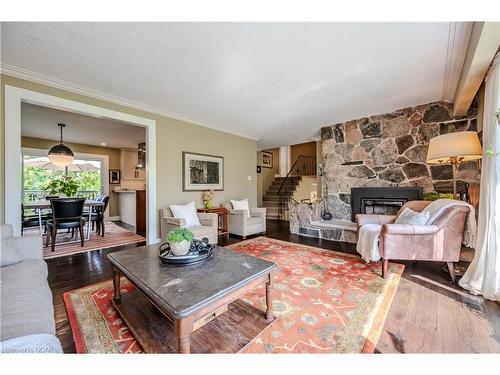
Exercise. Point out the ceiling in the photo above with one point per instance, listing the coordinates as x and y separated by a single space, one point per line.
277 83
41 122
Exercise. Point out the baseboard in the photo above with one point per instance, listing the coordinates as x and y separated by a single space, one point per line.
114 218
155 241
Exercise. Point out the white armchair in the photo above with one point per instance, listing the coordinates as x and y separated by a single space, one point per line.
241 225
208 227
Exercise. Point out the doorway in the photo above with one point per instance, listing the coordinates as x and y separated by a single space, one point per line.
14 97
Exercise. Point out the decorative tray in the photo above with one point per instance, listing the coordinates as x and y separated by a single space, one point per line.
199 252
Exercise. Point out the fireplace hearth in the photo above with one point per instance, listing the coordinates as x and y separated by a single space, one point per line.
382 200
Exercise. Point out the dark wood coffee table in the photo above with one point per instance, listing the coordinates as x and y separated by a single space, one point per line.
188 297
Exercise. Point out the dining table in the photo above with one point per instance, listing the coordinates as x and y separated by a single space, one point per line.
39 206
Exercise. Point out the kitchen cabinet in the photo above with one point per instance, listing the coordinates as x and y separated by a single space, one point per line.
127 199
140 212
133 209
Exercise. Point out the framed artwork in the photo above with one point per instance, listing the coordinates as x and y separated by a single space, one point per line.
267 159
202 172
114 176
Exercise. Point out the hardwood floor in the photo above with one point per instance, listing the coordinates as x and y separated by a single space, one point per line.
428 314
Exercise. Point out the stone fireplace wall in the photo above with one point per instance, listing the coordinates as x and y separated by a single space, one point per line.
390 150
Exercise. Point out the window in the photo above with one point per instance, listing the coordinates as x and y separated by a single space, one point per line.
38 171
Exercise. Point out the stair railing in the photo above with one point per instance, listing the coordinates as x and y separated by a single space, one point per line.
303 166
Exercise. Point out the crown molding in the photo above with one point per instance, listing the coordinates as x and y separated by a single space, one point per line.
29 75
459 34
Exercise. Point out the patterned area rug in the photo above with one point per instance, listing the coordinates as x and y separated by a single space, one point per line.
325 302
114 235
96 325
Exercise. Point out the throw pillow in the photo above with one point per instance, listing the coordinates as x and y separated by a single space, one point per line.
9 254
186 212
408 216
241 205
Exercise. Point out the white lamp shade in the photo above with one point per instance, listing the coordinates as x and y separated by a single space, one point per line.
462 145
61 160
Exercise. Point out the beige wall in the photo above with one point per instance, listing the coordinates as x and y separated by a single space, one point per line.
266 177
306 187
112 153
172 137
307 149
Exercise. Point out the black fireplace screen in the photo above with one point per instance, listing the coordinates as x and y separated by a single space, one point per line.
381 206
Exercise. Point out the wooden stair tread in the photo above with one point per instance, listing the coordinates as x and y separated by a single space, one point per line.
272 201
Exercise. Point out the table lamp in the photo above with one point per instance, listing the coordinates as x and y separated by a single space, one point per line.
454 148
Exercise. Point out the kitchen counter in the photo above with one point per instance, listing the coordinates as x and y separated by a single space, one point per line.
133 208
127 206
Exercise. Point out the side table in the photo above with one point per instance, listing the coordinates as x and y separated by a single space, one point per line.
222 212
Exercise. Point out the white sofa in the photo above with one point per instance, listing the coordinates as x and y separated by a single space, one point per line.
208 228
241 225
27 322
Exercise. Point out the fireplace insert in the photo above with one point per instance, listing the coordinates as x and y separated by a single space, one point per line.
382 200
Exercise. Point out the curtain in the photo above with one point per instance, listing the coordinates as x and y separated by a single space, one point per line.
483 275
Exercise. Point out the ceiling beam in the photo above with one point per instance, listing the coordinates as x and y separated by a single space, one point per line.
459 34
483 45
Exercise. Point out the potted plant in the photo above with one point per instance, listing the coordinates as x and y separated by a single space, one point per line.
435 195
180 241
65 185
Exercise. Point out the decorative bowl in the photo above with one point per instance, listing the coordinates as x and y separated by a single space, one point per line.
199 252
180 248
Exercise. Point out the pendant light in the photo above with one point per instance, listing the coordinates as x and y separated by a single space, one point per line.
61 155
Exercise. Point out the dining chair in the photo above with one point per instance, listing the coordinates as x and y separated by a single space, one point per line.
97 215
32 221
67 213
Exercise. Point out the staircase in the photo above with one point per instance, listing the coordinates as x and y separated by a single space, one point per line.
271 199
